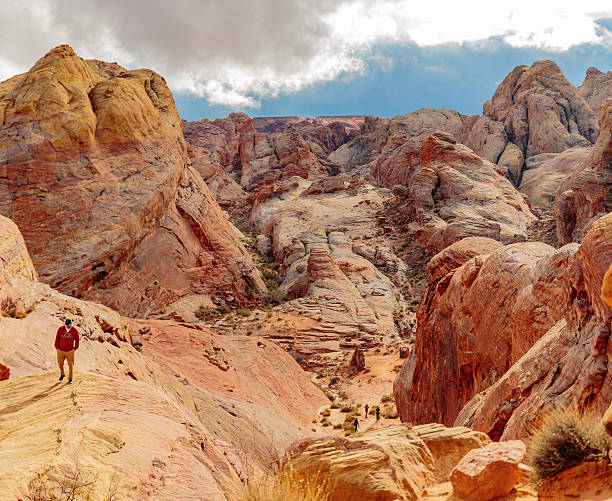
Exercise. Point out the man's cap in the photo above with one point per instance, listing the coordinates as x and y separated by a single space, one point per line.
68 321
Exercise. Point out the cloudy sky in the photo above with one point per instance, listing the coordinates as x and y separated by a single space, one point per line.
314 57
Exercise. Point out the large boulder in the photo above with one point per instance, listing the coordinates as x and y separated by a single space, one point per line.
94 164
586 193
488 473
464 343
568 366
399 462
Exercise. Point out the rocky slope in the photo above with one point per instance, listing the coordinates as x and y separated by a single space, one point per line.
587 192
569 364
104 187
196 410
465 344
596 88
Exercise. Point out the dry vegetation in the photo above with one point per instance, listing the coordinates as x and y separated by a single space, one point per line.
287 486
566 439
72 482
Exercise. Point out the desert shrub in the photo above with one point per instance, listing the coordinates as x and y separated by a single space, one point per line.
334 380
566 439
348 408
337 426
387 398
335 405
287 486
244 312
71 482
325 412
13 308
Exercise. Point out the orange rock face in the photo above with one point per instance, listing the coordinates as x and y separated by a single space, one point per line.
95 167
541 111
568 365
488 473
476 318
457 194
585 194
596 88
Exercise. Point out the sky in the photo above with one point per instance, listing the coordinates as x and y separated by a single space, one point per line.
316 57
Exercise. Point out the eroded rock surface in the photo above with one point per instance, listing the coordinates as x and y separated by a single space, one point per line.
587 193
399 461
568 365
94 166
476 318
169 409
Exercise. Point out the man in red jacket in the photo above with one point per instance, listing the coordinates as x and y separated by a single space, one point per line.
66 343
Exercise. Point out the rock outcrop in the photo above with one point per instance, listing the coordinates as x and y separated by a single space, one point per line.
544 174
204 407
399 461
567 366
214 148
488 473
542 112
94 161
587 193
463 343
596 88
457 194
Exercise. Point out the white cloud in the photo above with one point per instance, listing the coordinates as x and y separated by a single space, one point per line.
236 52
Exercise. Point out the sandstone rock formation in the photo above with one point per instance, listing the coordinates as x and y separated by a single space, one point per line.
399 142
399 462
544 173
568 365
541 111
205 408
329 274
490 472
596 88
94 168
586 193
214 150
464 343
458 194
589 480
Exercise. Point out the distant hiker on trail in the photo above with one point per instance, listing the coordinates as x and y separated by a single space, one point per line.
66 343
356 424
377 413
366 410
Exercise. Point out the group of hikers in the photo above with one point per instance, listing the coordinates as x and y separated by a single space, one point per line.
366 408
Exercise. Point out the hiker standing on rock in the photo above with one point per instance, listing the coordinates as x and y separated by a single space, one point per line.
356 424
66 343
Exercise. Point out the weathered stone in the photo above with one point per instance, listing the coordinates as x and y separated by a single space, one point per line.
398 462
585 194
488 473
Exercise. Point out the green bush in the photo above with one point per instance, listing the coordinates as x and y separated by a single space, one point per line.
566 439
